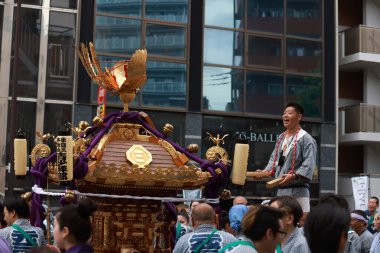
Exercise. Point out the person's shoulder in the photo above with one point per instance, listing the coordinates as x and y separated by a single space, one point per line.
226 235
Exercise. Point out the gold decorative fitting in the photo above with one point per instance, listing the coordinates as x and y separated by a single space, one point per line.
83 126
216 140
43 137
139 156
53 173
218 171
225 194
39 151
97 121
70 196
193 148
216 152
27 196
168 129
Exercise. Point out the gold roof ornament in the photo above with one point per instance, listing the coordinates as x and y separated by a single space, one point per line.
216 152
124 78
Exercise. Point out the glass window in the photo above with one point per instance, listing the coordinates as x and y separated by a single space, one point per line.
264 51
117 35
26 120
261 135
60 56
70 4
265 93
172 11
222 89
121 7
307 91
166 85
35 2
166 40
265 15
304 18
223 47
56 115
174 118
230 13
304 56
27 74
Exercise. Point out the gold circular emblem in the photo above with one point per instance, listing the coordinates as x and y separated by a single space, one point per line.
39 151
128 134
214 153
139 156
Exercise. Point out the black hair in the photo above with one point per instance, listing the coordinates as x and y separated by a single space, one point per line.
258 220
376 199
19 205
77 219
324 227
334 199
224 220
297 107
289 205
2 221
184 213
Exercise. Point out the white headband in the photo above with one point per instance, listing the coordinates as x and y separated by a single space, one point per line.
358 217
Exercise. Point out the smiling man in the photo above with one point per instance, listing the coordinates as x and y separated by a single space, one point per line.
294 158
373 205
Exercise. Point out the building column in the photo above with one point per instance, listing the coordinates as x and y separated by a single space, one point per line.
193 130
5 71
327 169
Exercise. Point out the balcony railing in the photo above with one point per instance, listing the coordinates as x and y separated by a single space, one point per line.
361 118
362 39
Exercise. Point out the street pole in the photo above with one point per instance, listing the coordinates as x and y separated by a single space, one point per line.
16 47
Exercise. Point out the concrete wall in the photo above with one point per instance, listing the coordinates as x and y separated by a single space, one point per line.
371 13
371 93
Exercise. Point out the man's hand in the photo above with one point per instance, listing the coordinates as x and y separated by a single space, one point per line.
258 174
287 178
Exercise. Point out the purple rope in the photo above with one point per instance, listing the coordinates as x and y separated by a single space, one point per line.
40 171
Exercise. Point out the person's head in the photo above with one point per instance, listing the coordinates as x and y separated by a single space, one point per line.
182 206
334 199
15 208
291 209
193 204
263 225
359 221
203 214
225 222
376 221
293 114
236 215
326 228
183 217
72 224
373 204
240 200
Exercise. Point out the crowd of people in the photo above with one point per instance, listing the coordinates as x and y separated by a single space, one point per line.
285 223
72 228
274 226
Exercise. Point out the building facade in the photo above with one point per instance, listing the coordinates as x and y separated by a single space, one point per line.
359 94
214 66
